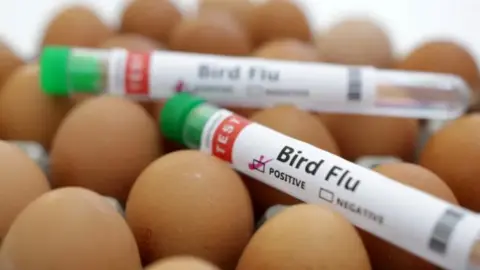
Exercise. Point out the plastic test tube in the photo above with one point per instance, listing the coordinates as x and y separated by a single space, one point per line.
442 233
253 82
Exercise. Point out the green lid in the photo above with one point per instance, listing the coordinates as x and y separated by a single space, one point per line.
53 70
62 72
174 114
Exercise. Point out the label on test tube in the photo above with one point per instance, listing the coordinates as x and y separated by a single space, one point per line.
256 82
424 225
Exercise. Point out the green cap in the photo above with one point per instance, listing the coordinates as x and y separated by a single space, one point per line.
62 72
174 115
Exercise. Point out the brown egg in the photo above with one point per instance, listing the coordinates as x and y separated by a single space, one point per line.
443 57
453 153
387 256
9 61
363 135
297 124
190 203
22 181
135 42
132 42
242 10
76 26
211 32
182 263
104 144
69 228
357 42
26 113
305 237
278 19
151 18
288 49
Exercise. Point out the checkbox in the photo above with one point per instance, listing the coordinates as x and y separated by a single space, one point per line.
258 165
326 195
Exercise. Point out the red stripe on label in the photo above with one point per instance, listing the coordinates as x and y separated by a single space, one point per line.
225 135
137 73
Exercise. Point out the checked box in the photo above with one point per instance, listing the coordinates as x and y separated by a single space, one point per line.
326 195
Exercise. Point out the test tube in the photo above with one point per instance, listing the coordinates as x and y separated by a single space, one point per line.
253 82
431 228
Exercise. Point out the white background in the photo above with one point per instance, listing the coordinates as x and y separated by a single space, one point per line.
409 22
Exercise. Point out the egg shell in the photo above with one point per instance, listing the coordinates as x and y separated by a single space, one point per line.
182 263
364 135
132 42
26 113
190 203
384 255
242 10
357 41
453 153
69 228
444 57
278 19
297 124
288 49
137 43
211 32
104 144
22 181
76 26
9 61
305 237
150 18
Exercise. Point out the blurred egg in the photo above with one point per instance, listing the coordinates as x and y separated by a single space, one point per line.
211 32
76 26
9 61
279 19
151 18
26 113
182 263
357 41
305 237
132 42
190 203
242 10
297 124
384 255
104 144
21 181
443 57
69 228
363 135
288 49
453 154
138 43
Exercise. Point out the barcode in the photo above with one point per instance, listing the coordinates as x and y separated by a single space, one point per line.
443 230
354 84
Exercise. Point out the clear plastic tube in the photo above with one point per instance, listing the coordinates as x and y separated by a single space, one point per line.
253 82
431 228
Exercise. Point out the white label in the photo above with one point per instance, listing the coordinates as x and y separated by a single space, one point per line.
116 71
418 222
247 81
